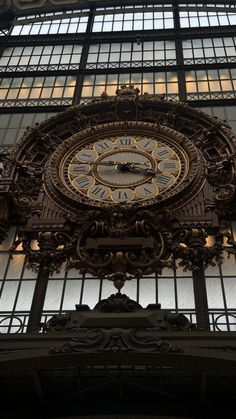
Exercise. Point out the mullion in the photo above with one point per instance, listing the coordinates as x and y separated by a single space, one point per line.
225 51
197 84
83 59
218 18
157 287
208 84
175 290
200 297
38 300
224 298
113 22
215 50
131 54
138 290
100 290
179 59
99 53
13 312
63 291
204 50
82 290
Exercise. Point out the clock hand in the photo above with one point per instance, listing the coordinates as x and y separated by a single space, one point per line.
106 163
115 163
127 167
133 168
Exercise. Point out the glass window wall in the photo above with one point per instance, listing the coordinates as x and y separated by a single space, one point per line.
211 84
41 58
152 83
51 24
201 18
173 289
209 50
127 20
221 294
32 91
131 54
13 126
17 285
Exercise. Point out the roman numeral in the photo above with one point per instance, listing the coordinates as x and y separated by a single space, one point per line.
147 143
84 154
170 165
122 195
162 152
83 182
163 179
125 141
147 191
98 191
77 168
102 146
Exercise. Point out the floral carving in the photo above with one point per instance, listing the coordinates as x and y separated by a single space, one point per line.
120 247
117 340
54 249
191 247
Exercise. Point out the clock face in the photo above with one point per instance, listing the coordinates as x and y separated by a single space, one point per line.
124 169
129 164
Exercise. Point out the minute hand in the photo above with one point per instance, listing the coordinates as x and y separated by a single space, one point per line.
128 165
105 163
133 168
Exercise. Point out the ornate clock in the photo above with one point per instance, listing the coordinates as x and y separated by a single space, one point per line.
124 197
123 163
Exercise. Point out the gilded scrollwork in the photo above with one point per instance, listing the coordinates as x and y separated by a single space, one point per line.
191 248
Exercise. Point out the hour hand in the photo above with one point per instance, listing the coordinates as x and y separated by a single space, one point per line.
105 163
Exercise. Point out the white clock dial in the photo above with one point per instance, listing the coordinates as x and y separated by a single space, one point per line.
125 169
113 176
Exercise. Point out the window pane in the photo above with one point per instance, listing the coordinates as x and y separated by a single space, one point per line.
53 295
72 294
214 293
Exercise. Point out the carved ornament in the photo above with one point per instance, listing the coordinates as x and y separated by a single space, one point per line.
117 340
